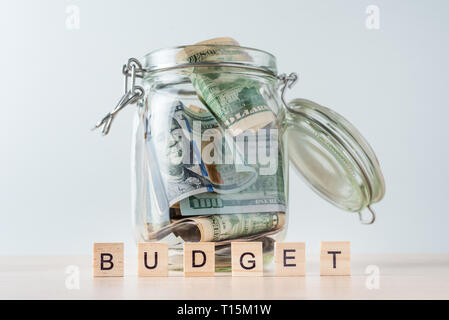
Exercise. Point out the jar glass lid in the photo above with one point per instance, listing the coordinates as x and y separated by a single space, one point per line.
333 157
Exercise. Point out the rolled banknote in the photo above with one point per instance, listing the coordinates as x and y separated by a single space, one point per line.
235 100
204 49
221 228
224 227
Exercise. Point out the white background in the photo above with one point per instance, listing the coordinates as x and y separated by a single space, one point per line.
62 187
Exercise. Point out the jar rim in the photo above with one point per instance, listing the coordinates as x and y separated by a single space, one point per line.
169 58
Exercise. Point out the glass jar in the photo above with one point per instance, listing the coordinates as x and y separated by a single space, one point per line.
213 137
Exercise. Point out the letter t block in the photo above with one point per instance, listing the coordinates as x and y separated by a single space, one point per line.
335 258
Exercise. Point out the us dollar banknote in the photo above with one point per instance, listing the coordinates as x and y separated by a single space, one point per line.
237 102
266 194
201 51
186 177
224 227
219 228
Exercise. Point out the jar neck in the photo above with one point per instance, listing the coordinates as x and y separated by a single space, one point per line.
196 56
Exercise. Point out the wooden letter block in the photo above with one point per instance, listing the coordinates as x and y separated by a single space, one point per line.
290 258
335 258
152 259
247 259
108 259
199 259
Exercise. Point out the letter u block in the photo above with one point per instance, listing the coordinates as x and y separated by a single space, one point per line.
152 259
108 259
199 259
247 259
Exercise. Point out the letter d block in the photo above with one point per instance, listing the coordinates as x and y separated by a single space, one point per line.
108 259
199 259
335 258
247 259
290 259
152 259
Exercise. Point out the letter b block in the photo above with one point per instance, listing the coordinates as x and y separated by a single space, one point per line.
108 259
247 259
290 258
335 258
152 259
199 259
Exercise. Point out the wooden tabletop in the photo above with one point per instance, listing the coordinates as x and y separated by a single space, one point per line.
55 277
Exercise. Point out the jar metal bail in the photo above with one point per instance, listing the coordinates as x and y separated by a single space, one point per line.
371 220
133 69
287 82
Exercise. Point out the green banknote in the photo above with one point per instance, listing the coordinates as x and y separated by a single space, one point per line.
183 171
224 227
265 195
235 101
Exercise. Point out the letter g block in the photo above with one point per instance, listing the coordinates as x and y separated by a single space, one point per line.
247 259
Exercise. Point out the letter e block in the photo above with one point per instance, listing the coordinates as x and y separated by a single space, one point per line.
152 259
335 258
108 259
199 259
290 258
246 259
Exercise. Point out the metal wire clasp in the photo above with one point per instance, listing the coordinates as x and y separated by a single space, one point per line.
133 69
371 219
287 82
